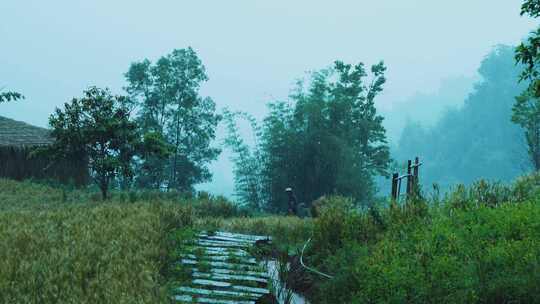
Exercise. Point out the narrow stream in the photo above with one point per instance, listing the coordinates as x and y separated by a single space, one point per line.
281 291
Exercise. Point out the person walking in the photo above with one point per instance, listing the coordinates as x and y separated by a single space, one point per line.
292 203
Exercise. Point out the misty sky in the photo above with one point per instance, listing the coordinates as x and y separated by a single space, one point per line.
253 50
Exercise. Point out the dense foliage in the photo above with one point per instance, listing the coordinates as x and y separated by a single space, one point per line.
166 95
97 129
328 139
477 140
527 107
531 8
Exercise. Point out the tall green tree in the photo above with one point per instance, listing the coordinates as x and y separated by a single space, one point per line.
97 127
526 113
328 139
527 107
168 100
155 149
248 161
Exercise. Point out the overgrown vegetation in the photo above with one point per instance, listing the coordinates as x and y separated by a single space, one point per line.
66 246
479 244
475 245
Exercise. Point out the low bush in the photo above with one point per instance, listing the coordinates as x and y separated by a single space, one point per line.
207 205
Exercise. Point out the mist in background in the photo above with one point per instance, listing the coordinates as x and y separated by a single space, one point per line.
255 50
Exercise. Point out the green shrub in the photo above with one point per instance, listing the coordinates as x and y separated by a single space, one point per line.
207 205
526 187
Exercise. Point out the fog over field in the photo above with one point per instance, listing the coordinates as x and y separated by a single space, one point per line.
254 51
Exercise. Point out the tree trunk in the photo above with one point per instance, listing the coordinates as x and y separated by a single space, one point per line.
536 148
175 159
104 187
103 193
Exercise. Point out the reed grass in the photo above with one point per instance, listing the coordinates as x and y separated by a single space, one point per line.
54 252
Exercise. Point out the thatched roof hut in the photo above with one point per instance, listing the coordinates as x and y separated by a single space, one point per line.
20 134
17 141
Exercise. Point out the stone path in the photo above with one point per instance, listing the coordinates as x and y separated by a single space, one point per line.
223 271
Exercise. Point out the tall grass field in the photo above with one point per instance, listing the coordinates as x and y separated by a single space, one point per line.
54 252
478 244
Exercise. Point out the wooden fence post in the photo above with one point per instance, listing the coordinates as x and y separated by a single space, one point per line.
394 185
415 174
409 178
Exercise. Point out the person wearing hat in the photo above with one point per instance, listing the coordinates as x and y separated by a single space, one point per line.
292 202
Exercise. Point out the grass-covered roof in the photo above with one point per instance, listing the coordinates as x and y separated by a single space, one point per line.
20 134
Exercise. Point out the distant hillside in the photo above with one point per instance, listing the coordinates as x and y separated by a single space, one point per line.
426 108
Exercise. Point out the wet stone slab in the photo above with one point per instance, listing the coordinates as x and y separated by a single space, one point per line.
229 277
222 258
218 264
218 293
192 299
260 274
219 251
222 270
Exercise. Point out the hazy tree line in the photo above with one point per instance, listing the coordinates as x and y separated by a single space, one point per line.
496 134
477 140
327 138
